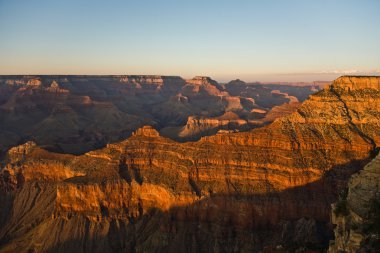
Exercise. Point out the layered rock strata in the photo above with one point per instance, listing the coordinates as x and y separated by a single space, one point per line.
226 192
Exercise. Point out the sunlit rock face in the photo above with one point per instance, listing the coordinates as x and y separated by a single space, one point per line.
352 83
266 189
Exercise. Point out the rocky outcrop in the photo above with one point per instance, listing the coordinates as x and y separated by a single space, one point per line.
146 131
204 81
34 82
292 99
356 214
197 127
54 87
18 153
228 120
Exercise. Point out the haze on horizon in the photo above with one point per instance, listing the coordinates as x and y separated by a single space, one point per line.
252 40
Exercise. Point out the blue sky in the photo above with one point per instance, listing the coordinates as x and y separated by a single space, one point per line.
252 40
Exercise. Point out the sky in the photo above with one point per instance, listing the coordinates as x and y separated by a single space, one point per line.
271 40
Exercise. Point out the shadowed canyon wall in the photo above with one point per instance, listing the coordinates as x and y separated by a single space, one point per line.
357 212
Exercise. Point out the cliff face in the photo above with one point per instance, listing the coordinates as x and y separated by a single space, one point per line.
356 214
352 83
267 189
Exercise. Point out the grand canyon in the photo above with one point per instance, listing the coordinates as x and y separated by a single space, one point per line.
190 126
164 164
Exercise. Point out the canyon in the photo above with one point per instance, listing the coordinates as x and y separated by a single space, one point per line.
76 114
260 174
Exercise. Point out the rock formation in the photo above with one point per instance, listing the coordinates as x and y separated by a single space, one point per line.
267 189
197 127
